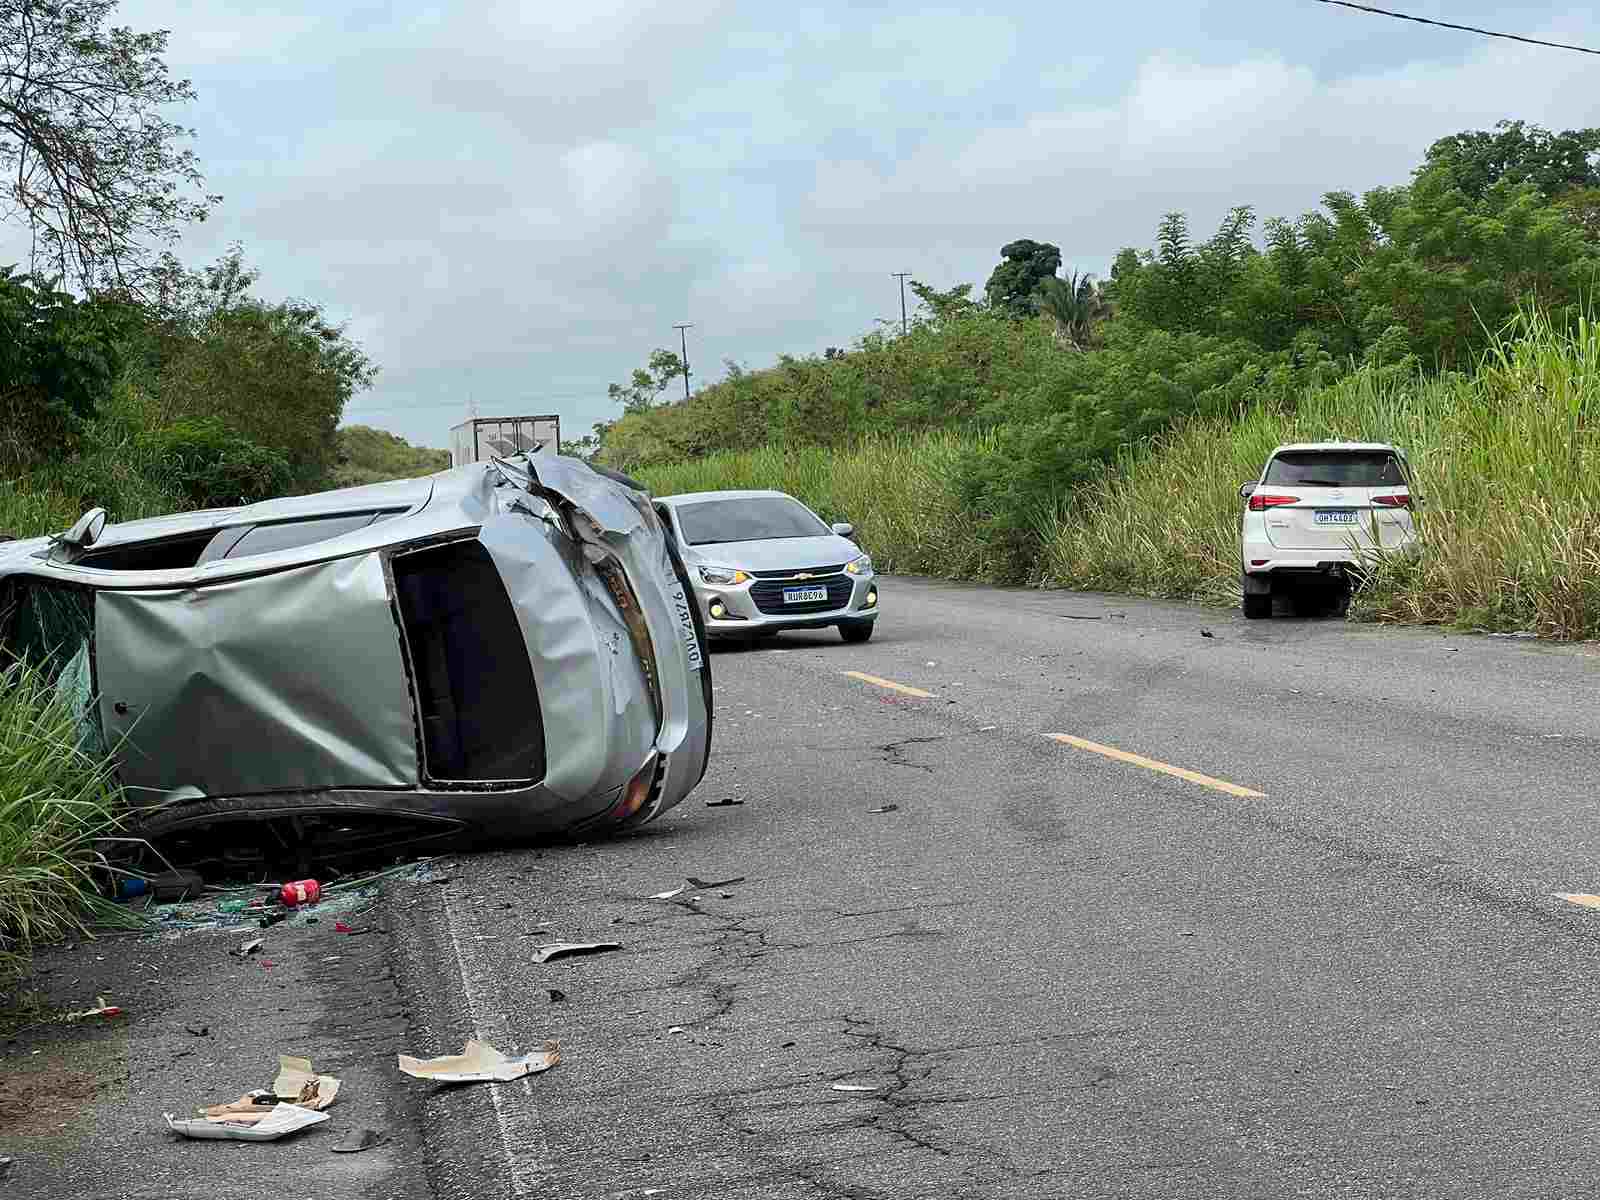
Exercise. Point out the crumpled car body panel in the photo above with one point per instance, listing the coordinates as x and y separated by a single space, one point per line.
507 648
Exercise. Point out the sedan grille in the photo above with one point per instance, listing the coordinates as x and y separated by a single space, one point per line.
791 572
768 594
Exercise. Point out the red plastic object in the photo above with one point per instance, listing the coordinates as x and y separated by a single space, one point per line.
301 891
341 927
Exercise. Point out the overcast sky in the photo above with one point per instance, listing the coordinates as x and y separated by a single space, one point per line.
512 203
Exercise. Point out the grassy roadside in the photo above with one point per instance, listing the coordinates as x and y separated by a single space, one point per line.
899 492
57 803
1507 458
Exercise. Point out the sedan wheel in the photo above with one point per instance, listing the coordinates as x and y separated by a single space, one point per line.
856 632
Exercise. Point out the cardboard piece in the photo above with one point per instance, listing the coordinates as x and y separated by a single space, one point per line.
480 1063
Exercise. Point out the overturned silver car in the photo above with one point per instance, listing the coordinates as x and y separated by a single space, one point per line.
499 651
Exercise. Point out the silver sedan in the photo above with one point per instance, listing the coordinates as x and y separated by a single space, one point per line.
762 562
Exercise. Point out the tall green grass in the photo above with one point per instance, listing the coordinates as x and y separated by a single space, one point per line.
899 492
58 804
1507 461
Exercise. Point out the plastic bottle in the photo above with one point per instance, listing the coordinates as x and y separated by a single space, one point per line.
301 891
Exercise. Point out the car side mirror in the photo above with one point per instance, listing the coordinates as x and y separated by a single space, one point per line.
843 528
87 529
1245 490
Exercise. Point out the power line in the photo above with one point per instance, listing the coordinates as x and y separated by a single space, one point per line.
1510 37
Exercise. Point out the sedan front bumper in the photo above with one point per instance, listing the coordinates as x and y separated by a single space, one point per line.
762 606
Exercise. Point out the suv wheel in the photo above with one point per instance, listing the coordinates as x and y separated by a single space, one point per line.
1257 607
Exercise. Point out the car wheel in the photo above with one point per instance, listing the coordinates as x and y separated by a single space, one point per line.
856 632
1257 607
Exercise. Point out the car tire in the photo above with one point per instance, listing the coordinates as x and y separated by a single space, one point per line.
1257 607
856 632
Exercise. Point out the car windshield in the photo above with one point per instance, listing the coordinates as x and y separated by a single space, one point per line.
756 519
1336 468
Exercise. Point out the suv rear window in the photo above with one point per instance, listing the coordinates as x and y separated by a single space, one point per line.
1336 468
476 695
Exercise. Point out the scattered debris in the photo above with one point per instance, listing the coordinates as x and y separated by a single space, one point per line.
704 885
725 802
855 1087
1207 633
358 1140
1118 616
480 1063
299 1097
301 891
674 1028
1078 617
556 995
886 808
103 1009
5 1166
170 885
543 954
669 895
787 1046
271 919
278 1121
341 927
198 1030
249 948
297 1078
988 728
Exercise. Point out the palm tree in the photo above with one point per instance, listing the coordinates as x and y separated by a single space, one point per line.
1076 305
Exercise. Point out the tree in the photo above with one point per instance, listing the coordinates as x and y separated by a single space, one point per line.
644 387
92 168
58 358
1014 284
945 306
1555 163
277 373
1075 305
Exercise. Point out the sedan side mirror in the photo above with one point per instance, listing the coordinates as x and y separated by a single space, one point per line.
86 532
843 528
1245 490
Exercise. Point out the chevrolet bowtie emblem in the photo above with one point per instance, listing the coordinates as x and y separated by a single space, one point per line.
803 575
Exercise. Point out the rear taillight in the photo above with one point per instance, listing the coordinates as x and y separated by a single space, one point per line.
1396 501
1260 503
636 793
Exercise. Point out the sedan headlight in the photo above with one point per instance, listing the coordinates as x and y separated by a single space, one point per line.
723 575
860 566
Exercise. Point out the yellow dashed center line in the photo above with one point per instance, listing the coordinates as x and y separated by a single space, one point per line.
1150 764
890 684
1582 899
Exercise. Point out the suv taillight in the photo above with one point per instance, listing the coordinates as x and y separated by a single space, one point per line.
1397 501
1260 503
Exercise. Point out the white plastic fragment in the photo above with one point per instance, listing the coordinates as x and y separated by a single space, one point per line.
283 1119
855 1087
480 1063
669 895
543 954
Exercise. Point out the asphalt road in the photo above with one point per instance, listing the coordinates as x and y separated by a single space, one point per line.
1331 960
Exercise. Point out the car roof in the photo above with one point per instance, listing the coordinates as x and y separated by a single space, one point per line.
696 497
1338 446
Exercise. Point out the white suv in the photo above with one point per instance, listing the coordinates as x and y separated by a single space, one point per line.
1318 509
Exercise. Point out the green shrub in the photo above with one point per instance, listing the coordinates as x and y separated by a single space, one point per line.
207 466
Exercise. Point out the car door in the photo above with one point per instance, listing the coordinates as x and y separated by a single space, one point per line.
288 680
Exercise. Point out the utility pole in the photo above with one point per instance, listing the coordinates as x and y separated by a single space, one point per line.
683 339
901 276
